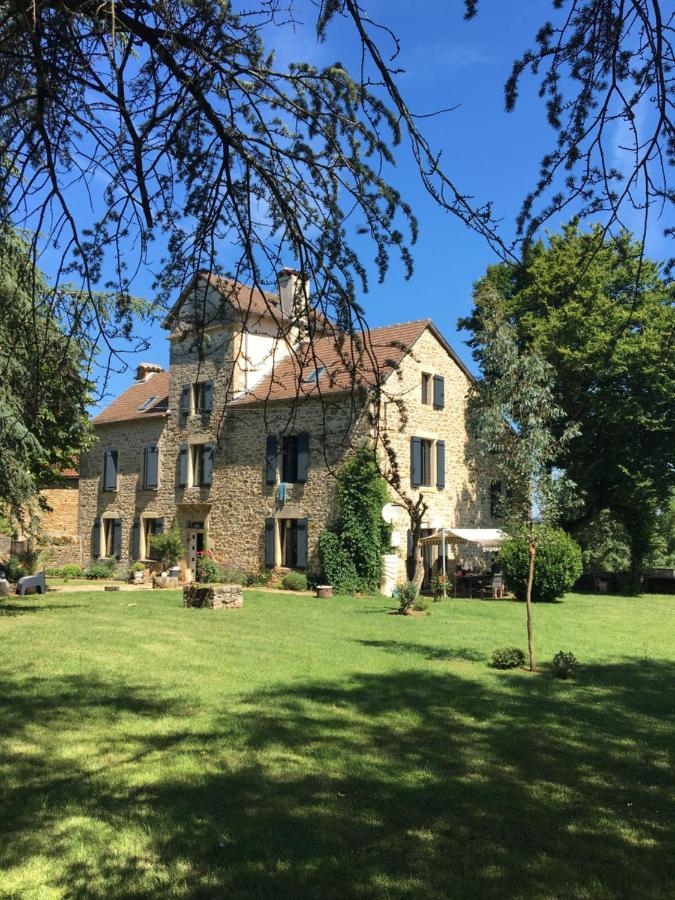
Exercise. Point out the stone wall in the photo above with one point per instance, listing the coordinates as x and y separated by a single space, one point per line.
222 596
464 502
61 517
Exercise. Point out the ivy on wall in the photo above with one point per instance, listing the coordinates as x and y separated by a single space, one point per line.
351 550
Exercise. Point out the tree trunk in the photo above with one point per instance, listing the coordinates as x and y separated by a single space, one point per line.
418 560
528 604
635 574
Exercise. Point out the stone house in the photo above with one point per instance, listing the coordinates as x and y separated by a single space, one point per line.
238 442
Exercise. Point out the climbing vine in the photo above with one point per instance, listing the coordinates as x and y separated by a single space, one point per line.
351 550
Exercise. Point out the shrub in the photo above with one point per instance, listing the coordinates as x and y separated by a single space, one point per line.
407 597
507 658
14 568
257 579
207 570
557 564
104 568
422 604
294 581
70 570
232 576
440 586
167 548
565 664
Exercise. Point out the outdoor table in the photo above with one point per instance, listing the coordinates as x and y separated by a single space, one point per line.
471 584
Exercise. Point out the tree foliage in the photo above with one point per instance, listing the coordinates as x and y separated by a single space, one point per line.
606 74
557 564
351 551
605 322
43 391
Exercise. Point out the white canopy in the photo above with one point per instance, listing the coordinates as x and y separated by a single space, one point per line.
488 538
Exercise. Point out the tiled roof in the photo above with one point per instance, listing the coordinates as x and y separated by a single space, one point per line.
130 404
247 300
329 366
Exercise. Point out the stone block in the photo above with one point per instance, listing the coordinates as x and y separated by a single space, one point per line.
226 596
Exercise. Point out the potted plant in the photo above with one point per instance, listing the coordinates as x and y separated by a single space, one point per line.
137 573
167 548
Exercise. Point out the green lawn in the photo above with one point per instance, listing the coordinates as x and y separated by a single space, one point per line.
316 749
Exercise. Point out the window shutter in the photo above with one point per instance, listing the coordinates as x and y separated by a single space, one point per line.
440 464
117 538
183 466
415 461
439 391
303 456
110 470
208 396
96 539
151 461
159 526
185 400
301 532
271 459
269 542
136 539
207 466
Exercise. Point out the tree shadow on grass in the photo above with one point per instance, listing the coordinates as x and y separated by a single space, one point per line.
389 784
20 609
398 648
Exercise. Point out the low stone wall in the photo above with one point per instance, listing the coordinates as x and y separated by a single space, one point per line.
225 596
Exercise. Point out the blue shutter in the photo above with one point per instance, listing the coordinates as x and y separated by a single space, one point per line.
96 539
269 542
117 538
110 470
159 526
303 456
183 466
185 400
207 465
150 466
136 539
271 459
208 396
301 532
439 391
440 464
415 461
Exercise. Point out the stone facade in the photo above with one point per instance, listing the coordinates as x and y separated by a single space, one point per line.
231 515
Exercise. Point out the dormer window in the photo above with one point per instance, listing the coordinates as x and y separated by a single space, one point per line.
148 403
314 376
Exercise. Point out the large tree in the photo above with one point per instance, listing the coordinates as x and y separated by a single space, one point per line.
604 318
43 391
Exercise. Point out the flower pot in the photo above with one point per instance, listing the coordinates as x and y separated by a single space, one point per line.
174 572
324 591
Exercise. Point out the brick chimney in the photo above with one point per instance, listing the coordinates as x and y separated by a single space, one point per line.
144 370
292 292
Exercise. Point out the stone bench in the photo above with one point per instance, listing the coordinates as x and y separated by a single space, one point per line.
220 596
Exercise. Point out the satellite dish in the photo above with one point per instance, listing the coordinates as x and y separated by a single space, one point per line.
390 513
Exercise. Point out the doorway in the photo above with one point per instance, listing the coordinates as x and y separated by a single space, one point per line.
195 546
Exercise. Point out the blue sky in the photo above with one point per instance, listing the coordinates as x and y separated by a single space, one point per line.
493 155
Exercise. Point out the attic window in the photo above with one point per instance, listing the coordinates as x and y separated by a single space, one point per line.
314 376
148 403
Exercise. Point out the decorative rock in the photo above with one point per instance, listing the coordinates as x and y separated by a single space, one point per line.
323 591
222 596
4 587
111 587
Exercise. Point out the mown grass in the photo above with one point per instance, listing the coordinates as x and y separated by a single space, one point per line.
305 748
